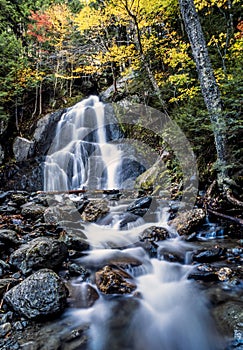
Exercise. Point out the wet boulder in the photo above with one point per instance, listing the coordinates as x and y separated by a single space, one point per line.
204 273
127 218
210 255
95 210
39 253
140 206
82 295
76 240
228 317
77 270
187 221
111 280
40 295
150 236
154 234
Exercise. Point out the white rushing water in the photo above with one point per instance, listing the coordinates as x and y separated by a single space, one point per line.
80 154
169 312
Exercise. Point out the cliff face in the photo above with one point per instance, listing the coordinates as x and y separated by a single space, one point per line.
25 172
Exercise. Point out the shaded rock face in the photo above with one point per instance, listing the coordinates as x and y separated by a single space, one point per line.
186 222
39 253
45 132
41 294
114 281
27 173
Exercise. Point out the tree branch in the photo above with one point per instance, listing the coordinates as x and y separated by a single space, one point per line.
226 217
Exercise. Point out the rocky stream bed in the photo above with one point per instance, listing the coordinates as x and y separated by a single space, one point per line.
47 273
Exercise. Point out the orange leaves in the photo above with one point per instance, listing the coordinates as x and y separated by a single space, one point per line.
240 28
41 26
54 23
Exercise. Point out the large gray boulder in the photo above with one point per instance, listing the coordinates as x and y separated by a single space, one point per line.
40 295
22 149
39 253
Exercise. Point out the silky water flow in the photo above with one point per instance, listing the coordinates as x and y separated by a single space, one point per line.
168 312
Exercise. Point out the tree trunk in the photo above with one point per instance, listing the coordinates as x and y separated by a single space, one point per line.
147 67
209 87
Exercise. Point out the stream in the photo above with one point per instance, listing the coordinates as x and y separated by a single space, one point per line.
167 310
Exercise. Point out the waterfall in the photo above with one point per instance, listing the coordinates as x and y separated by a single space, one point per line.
82 153
167 311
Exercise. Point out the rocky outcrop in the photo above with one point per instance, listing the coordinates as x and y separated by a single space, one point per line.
40 295
27 175
27 172
156 178
186 222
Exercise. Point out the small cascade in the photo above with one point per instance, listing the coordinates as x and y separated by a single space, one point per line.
81 155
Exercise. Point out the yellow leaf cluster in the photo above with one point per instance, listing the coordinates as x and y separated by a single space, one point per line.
236 50
177 56
116 54
90 18
60 17
208 4
27 75
219 40
185 93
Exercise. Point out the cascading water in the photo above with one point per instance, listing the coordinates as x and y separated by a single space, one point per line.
168 312
80 154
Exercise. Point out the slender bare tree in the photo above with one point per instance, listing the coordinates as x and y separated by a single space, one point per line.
210 90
